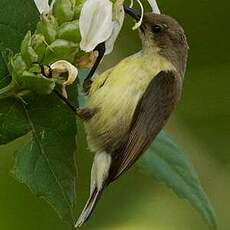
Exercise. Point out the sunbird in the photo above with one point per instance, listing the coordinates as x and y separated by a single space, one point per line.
129 104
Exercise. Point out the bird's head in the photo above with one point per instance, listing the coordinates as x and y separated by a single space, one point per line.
164 35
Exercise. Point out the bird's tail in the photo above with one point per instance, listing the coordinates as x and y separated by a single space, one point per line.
89 207
99 176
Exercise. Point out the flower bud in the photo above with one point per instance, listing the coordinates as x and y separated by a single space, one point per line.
17 64
77 8
39 46
28 53
47 26
70 31
63 10
60 50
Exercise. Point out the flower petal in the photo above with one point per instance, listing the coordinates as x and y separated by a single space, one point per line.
118 19
42 5
95 23
63 66
138 24
154 6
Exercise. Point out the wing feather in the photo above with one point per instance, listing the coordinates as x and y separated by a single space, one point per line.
150 116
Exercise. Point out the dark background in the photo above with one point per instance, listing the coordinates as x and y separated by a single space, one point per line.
201 126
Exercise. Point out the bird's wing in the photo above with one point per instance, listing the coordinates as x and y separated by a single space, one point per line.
150 116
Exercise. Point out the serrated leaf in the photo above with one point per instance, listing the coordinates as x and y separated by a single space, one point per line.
46 165
166 162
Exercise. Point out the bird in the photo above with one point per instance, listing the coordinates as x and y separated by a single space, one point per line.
130 103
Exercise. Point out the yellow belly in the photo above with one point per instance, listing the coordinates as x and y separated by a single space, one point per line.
116 94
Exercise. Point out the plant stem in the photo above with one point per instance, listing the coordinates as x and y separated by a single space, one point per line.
8 91
66 101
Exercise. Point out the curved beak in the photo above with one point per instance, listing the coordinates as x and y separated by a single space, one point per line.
133 13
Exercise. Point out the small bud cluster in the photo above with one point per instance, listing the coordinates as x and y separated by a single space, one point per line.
57 37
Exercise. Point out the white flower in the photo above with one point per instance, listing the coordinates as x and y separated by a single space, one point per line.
118 19
154 6
43 6
60 67
63 66
95 23
100 21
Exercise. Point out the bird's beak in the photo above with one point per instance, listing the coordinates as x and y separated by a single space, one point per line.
133 13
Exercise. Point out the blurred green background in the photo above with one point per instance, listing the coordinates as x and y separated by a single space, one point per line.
201 126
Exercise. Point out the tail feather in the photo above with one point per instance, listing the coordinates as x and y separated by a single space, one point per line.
89 207
99 176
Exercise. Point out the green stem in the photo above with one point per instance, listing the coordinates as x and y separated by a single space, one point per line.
8 91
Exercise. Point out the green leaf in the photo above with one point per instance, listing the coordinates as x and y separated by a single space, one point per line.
165 161
37 84
46 164
13 122
14 25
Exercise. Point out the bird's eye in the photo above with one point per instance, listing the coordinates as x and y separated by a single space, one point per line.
157 29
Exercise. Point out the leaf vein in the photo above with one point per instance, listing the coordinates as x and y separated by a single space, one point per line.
47 159
5 115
